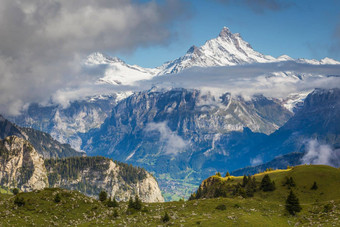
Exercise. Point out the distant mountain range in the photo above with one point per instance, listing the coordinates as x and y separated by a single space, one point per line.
227 49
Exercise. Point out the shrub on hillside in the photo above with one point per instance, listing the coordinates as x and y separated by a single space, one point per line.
314 187
221 207
19 201
166 217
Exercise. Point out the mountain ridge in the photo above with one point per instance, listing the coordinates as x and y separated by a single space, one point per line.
227 49
41 141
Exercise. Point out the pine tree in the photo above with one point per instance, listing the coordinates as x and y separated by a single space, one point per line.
244 181
102 196
112 203
115 214
253 183
314 187
131 203
249 191
137 203
289 182
57 198
227 174
239 191
218 174
293 204
15 191
267 184
166 217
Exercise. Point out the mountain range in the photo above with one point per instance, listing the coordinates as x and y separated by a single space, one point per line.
227 49
184 135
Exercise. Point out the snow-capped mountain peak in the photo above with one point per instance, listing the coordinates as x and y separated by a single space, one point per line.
226 49
225 32
117 71
98 58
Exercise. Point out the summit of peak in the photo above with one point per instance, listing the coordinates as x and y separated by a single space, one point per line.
225 32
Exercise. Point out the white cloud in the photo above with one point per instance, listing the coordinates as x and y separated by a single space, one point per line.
173 144
44 41
256 161
321 154
269 79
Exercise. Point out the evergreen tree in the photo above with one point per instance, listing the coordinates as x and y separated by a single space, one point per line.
250 188
218 174
267 184
57 198
15 191
112 203
192 196
244 181
249 191
115 213
293 204
314 187
130 204
19 201
239 191
137 203
102 196
253 183
289 182
166 217
227 174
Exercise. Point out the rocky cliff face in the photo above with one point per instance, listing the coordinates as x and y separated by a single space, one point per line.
90 175
63 123
42 142
21 166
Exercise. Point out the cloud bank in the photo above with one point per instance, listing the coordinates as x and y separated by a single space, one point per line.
44 41
270 79
173 144
276 80
321 154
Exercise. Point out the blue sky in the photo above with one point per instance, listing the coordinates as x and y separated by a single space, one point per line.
300 29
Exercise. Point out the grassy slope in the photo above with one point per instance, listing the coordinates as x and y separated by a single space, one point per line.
327 178
264 209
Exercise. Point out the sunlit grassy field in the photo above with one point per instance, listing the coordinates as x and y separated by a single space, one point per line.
319 207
